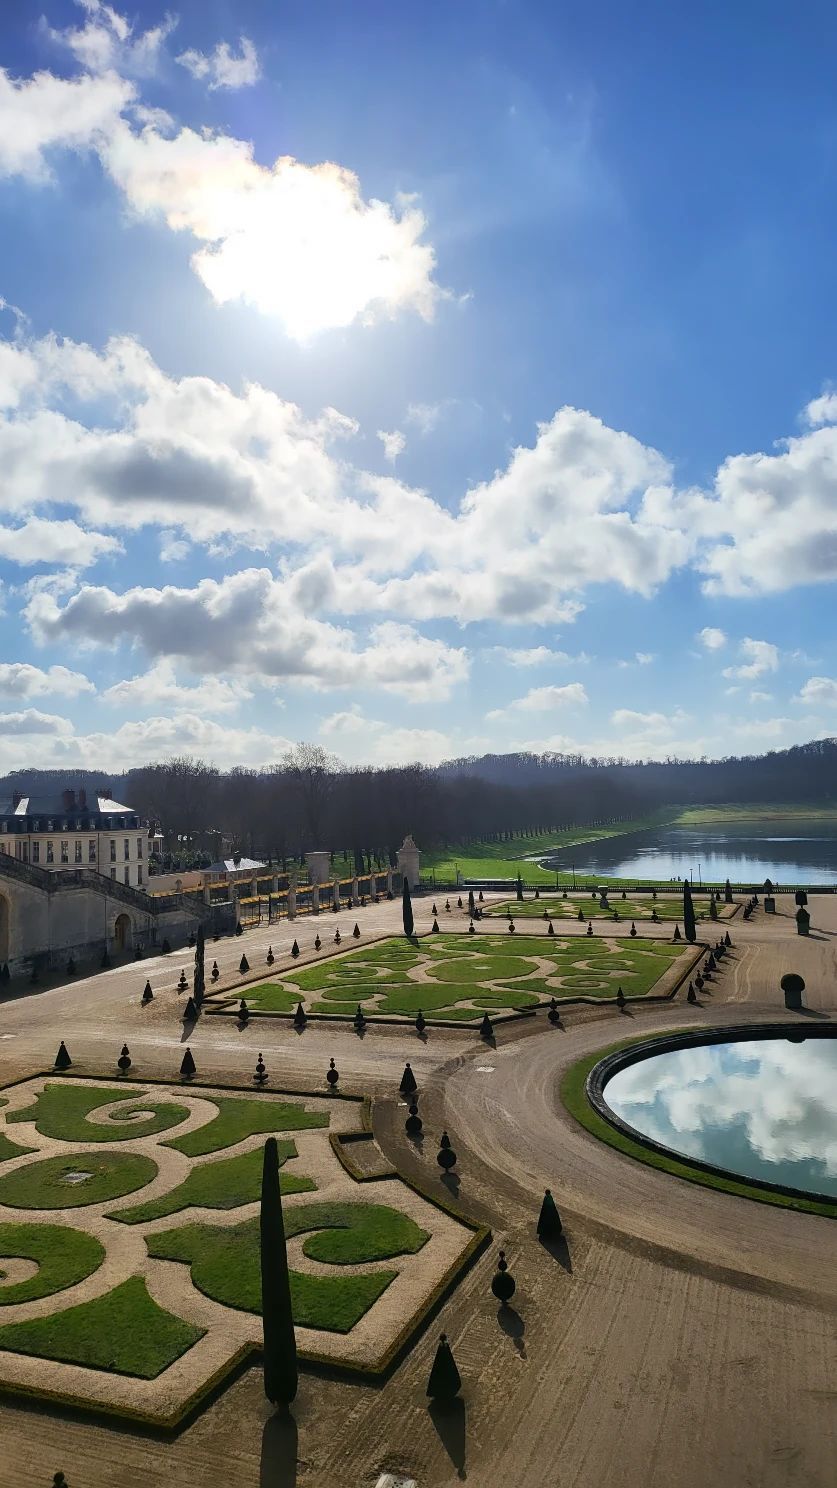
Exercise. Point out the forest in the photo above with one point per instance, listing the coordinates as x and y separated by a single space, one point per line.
312 800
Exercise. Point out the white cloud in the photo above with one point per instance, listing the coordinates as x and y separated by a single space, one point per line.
543 700
761 697
360 740
761 657
711 638
221 67
394 443
639 658
159 687
819 691
20 680
108 42
32 721
296 241
40 541
140 743
249 624
535 656
44 112
173 548
646 725
822 410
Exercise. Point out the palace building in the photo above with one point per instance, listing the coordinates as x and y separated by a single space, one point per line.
73 830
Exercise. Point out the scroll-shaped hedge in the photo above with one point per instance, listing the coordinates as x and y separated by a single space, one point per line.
225 1261
225 1184
63 1257
62 1111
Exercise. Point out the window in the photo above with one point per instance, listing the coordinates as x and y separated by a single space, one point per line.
91 850
127 849
113 850
127 875
139 874
50 853
50 826
78 850
139 847
65 852
113 873
36 852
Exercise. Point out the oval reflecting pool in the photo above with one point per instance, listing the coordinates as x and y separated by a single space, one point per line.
760 1108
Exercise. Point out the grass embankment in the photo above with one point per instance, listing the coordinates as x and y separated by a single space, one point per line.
124 1332
574 1097
754 811
226 1184
507 859
63 1257
225 1262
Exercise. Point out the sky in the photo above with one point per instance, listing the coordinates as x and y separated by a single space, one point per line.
416 380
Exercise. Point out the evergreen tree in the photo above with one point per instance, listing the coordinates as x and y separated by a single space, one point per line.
689 929
199 979
280 1372
407 907
549 1220
445 1380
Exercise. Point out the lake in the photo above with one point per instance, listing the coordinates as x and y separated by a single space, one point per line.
745 852
762 1108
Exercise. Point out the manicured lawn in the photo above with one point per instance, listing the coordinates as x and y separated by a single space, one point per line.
284 1001
506 860
555 907
10 1149
61 1110
124 1332
52 1183
237 1119
574 1097
465 976
225 1262
63 1256
224 1184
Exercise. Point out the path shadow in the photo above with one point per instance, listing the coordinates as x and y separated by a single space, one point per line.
513 1326
448 1417
277 1468
805 1012
560 1252
452 1183
626 1012
422 1036
188 1030
417 1139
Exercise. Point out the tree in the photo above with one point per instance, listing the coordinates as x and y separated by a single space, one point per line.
407 908
689 929
280 1371
445 1380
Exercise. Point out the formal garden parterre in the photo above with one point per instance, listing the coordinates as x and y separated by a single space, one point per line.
617 906
456 978
129 1241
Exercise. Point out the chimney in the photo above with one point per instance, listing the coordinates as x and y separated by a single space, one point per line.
104 790
82 798
69 799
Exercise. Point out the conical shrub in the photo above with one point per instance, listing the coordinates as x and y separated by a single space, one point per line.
549 1225
243 965
188 1068
408 1081
445 1381
280 1369
62 1058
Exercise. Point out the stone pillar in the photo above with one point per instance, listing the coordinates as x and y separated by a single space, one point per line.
355 892
389 879
319 866
315 898
335 892
274 884
207 893
408 861
292 902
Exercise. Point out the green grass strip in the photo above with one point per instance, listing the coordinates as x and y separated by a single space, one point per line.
63 1256
226 1184
9 1149
123 1332
574 1097
62 1111
237 1119
52 1182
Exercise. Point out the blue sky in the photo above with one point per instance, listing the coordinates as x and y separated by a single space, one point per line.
415 380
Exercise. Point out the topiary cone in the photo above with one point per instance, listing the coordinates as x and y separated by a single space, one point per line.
188 1066
408 1081
243 965
503 1283
633 928
445 1380
295 950
359 1020
356 931
190 1012
549 1225
446 1157
280 1371
435 927
550 929
727 941
300 1019
421 1022
123 1063
677 935
620 998
62 1058
147 994
413 1123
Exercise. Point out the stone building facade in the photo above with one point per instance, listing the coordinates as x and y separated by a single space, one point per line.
71 831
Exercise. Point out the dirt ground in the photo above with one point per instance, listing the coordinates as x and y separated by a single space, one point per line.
682 1339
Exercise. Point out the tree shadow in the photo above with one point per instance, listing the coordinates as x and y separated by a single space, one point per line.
452 1183
422 1035
277 1468
513 1326
188 1030
448 1417
626 1012
806 1012
559 1250
417 1139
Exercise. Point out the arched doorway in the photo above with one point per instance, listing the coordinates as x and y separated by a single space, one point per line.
122 932
5 927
